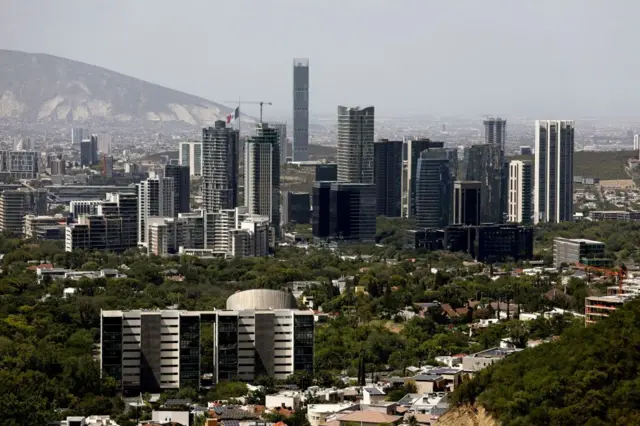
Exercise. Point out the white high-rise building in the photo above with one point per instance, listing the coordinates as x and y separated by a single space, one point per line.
519 191
262 175
355 144
104 143
155 199
553 196
636 142
300 145
190 154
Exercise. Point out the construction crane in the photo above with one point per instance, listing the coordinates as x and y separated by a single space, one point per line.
261 103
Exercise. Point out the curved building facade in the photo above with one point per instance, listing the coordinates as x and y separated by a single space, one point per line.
260 299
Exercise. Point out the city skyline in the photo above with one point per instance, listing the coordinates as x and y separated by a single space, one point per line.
514 83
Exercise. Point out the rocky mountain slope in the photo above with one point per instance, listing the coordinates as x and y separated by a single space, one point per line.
45 88
467 415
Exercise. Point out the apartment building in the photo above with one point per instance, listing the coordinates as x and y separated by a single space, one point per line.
596 308
44 227
97 232
253 343
19 164
151 351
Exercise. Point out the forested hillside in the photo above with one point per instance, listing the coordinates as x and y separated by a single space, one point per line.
588 377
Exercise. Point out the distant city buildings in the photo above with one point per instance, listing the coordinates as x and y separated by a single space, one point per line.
355 144
553 173
300 145
387 172
190 153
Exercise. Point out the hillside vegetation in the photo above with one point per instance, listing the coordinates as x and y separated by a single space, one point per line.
588 377
606 165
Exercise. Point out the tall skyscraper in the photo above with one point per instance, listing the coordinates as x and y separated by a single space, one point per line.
219 167
434 187
262 175
353 211
155 199
413 150
636 142
520 192
466 202
387 170
182 187
495 131
355 144
300 144
282 139
190 154
553 197
484 163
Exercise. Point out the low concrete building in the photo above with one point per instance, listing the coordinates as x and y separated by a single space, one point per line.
368 418
290 400
317 413
570 251
372 396
481 360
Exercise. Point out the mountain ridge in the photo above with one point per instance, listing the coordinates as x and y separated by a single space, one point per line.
40 87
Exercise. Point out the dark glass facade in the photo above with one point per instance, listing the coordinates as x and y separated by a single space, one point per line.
321 214
326 172
190 351
434 188
227 347
181 186
353 211
466 203
303 331
111 352
387 176
150 356
296 207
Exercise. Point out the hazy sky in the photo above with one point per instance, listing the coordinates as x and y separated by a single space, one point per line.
546 59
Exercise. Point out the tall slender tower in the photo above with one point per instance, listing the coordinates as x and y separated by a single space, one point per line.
262 175
387 171
219 167
520 193
300 144
553 197
182 187
355 144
